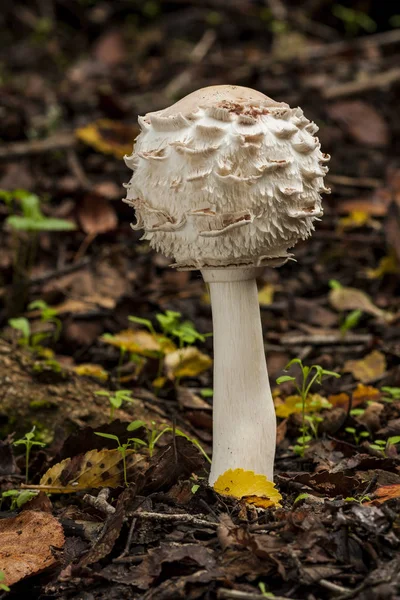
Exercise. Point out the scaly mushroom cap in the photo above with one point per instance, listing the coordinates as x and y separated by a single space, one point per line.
226 177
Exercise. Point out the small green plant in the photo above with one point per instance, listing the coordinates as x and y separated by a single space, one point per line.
360 499
22 325
47 315
350 321
172 326
122 448
207 393
302 496
391 393
154 434
357 437
28 441
3 586
353 20
264 592
309 376
384 445
116 399
18 497
32 218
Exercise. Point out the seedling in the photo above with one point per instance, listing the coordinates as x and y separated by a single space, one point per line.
263 589
172 326
154 434
122 448
18 497
394 393
357 436
47 315
350 321
207 392
384 445
116 399
22 325
309 375
28 441
3 586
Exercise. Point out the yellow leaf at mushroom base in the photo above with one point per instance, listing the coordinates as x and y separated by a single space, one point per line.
388 265
356 219
368 368
293 404
266 294
95 469
109 137
247 485
186 362
89 370
140 342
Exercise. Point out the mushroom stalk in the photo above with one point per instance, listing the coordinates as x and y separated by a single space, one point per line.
244 422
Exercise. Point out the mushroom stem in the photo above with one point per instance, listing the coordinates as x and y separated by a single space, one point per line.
244 422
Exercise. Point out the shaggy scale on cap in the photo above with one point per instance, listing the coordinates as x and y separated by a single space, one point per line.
226 177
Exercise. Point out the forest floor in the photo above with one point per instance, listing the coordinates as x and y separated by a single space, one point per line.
74 78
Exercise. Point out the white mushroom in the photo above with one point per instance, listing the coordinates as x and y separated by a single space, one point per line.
226 181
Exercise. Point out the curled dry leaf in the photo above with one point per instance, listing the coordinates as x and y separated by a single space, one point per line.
95 469
186 362
96 215
26 543
347 298
293 404
108 137
353 116
369 368
385 493
254 489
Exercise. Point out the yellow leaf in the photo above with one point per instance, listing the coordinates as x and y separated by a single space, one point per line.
89 370
388 265
159 382
385 493
140 342
255 489
186 362
109 137
356 219
368 368
346 298
293 404
365 393
266 294
95 469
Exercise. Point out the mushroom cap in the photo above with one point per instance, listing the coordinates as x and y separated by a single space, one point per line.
226 177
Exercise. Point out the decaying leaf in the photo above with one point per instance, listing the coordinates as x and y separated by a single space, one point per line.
353 115
347 298
385 493
91 370
365 393
293 404
186 362
367 369
247 485
96 215
356 219
266 294
108 137
95 469
329 484
140 342
26 543
388 265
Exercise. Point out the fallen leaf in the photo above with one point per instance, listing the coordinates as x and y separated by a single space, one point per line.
365 393
388 265
356 219
369 368
26 542
339 399
385 493
95 469
266 294
186 362
190 400
293 404
346 298
247 485
109 137
96 215
371 416
353 115
140 342
328 483
91 370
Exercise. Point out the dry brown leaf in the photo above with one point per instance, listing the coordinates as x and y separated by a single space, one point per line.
346 298
186 362
369 368
26 543
385 493
95 469
354 115
96 215
140 342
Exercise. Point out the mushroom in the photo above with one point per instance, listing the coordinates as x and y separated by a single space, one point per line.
225 181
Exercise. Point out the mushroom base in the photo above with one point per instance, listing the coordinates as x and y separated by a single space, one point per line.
244 422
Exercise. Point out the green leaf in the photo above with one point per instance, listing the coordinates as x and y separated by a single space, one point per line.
284 378
21 324
136 425
302 496
146 322
394 440
294 361
109 436
207 392
334 284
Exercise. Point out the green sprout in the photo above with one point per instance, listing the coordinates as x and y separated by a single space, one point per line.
22 325
354 20
122 448
47 315
394 393
116 399
28 441
3 586
350 321
18 497
309 376
384 445
357 436
264 592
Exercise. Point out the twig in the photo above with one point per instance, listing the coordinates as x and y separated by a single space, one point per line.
100 502
333 587
362 182
59 141
170 518
122 557
328 339
59 272
377 80
224 593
